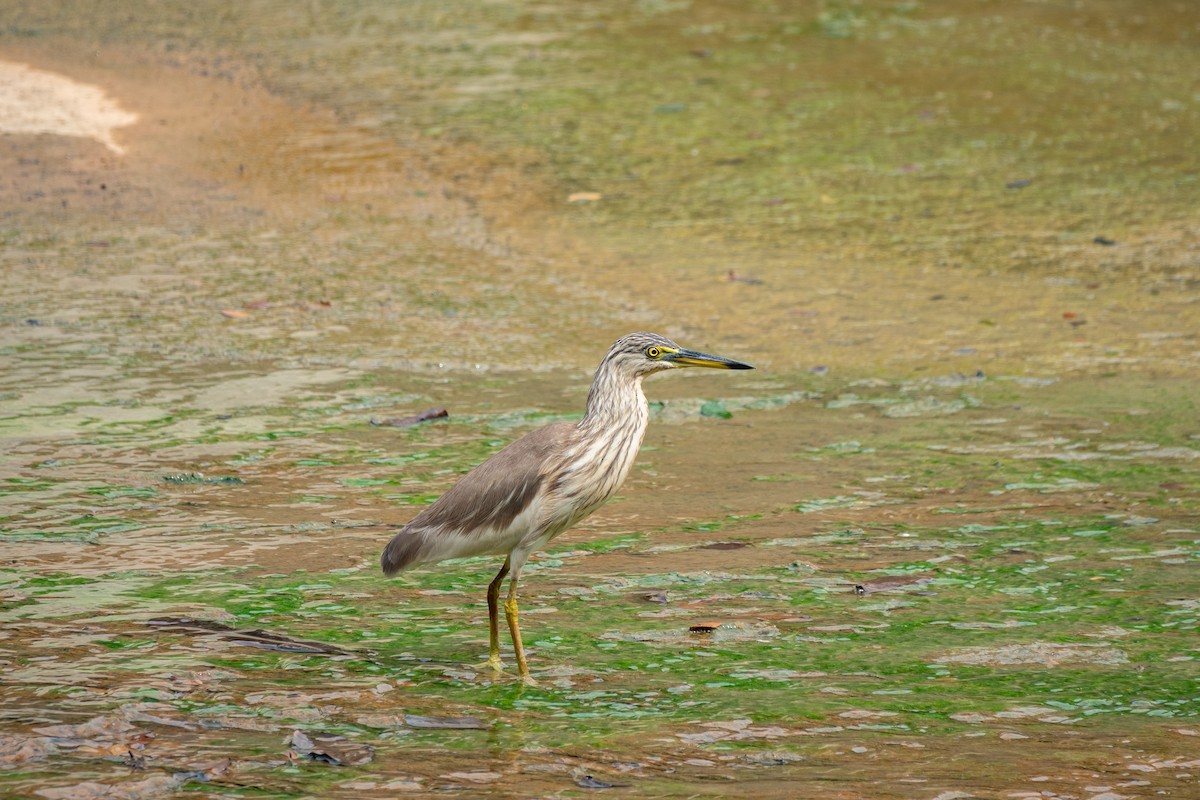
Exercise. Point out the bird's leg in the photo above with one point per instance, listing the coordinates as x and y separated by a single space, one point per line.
493 597
510 612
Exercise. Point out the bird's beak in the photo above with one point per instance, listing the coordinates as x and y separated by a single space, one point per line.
691 358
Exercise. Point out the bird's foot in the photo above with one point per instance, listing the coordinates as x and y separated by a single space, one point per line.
527 680
493 663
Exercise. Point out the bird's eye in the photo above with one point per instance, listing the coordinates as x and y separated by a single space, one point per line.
653 352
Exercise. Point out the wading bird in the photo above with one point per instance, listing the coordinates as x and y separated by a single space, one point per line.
546 481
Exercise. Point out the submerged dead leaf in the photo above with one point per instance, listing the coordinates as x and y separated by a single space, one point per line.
264 640
330 748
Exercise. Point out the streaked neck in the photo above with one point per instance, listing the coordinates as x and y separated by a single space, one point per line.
615 399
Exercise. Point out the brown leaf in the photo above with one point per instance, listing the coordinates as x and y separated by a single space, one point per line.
705 627
235 313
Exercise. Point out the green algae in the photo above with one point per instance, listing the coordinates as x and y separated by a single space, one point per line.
1048 527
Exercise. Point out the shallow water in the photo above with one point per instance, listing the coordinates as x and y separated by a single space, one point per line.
941 544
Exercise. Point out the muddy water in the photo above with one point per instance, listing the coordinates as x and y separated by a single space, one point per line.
943 544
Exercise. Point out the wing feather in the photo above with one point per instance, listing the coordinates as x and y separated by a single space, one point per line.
488 500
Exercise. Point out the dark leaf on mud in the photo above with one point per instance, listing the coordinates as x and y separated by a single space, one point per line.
705 627
588 782
416 419
655 597
724 546
329 748
1104 241
264 640
458 723
1018 184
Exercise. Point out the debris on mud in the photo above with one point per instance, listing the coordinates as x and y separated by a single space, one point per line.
330 748
264 640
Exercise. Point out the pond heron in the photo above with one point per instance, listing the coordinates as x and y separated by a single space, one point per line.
546 481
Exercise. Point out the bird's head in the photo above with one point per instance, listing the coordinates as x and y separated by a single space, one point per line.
641 354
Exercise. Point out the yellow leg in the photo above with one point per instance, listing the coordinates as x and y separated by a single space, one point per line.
493 597
510 612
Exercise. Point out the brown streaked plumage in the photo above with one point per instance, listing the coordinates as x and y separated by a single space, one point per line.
546 481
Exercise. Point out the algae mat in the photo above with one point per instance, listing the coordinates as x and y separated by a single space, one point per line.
942 544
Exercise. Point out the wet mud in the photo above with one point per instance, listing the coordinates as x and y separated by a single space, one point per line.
942 544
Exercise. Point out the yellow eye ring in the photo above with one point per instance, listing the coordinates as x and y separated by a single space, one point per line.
653 352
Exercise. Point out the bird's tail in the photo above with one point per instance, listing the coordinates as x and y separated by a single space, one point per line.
404 550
